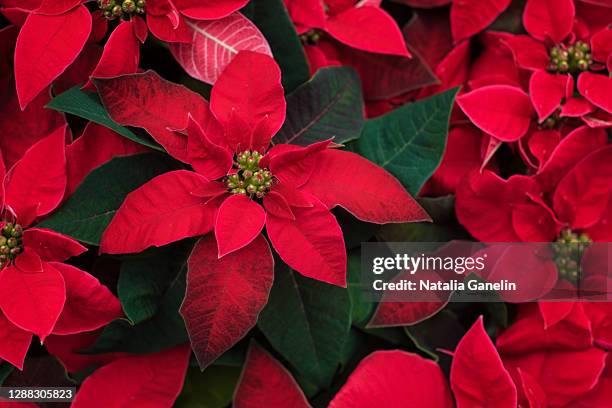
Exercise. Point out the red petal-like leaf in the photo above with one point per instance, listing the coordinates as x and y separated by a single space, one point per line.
14 342
150 102
207 158
363 27
208 9
239 221
546 92
293 165
89 304
469 17
528 53
250 91
214 44
306 14
313 244
582 195
27 127
374 196
462 155
151 380
32 301
530 332
563 375
545 19
97 145
121 53
50 245
45 47
601 44
485 201
265 382
478 377
162 211
597 89
572 148
38 181
277 205
500 110
394 379
224 296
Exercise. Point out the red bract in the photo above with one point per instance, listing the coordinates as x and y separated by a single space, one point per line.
399 379
54 34
356 24
237 189
576 176
151 380
39 294
348 33
538 357
265 382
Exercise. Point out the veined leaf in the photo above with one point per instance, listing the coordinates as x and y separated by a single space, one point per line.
307 322
409 142
151 290
329 105
215 43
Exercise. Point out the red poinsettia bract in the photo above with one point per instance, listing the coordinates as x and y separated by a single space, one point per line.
241 185
40 295
396 378
53 34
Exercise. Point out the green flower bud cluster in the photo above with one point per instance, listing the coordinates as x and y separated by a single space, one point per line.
572 59
121 8
11 243
311 37
567 254
249 178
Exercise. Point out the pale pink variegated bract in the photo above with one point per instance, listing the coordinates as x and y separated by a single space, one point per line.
215 43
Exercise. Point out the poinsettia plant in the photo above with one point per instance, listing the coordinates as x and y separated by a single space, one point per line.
186 188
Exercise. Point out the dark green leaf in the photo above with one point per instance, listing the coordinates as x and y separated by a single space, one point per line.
329 105
442 331
5 370
145 281
409 142
87 213
87 105
161 299
361 310
213 388
271 17
307 322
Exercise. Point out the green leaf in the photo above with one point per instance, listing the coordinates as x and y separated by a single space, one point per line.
157 283
441 331
145 281
213 388
87 213
271 17
307 322
5 370
361 310
87 105
329 105
409 142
